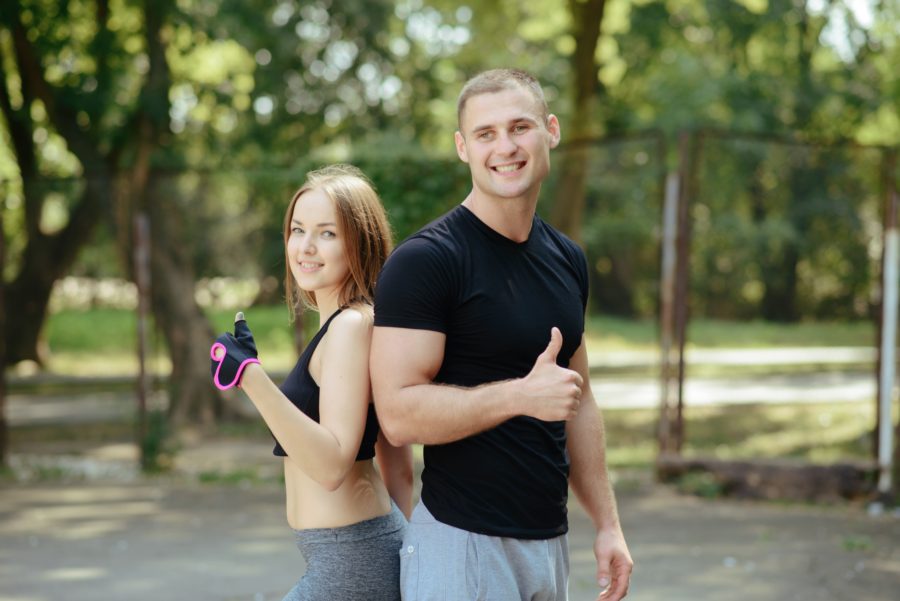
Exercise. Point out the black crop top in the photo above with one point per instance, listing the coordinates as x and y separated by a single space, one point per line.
300 388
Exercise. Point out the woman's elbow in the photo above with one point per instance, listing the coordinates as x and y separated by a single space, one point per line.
332 484
329 477
332 480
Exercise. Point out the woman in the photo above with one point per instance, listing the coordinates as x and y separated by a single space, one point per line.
336 239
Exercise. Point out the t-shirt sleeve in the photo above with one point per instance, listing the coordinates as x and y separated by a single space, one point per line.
414 288
581 262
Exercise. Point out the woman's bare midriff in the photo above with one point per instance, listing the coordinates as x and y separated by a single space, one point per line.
361 496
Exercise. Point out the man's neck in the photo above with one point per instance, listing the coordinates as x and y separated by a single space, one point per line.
509 217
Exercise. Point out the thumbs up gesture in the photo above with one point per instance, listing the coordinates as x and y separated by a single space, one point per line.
551 392
231 354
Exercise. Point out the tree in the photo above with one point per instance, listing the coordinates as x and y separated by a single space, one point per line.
47 256
114 121
588 92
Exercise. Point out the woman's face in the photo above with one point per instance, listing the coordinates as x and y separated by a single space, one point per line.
315 249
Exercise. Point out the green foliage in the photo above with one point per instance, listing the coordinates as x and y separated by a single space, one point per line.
621 220
261 92
854 544
415 189
701 484
783 231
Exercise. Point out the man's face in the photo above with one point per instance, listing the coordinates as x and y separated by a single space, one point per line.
506 143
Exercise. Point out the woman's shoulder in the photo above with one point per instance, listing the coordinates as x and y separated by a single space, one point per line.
355 319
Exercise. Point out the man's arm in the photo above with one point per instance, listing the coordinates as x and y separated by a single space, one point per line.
396 466
590 482
412 409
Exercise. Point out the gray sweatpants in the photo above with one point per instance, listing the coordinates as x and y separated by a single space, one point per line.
442 563
358 562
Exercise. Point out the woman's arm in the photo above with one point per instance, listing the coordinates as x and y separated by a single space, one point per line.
396 466
325 451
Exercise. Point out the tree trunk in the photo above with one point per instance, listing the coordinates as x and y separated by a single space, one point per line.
568 202
192 398
4 425
45 260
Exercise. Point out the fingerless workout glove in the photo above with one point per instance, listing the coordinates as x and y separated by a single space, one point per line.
231 354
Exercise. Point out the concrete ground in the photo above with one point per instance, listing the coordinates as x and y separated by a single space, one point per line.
94 530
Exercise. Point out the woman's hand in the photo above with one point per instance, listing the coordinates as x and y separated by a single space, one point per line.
231 354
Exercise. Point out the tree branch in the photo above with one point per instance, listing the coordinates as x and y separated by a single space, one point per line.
62 117
21 132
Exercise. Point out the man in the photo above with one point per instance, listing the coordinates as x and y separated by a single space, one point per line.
478 353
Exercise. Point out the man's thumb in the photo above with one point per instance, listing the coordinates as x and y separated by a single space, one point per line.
553 347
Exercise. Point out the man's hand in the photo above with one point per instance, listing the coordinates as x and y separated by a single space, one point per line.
614 565
550 392
231 354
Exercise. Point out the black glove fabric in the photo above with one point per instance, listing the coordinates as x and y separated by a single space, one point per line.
231 354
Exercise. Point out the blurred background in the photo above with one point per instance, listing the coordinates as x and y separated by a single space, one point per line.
148 151
729 167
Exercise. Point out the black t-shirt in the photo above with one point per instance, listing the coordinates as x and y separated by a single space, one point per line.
496 301
300 388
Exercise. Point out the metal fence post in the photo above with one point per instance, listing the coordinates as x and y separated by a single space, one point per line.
887 354
142 280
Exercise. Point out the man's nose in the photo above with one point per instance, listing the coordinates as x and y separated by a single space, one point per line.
506 145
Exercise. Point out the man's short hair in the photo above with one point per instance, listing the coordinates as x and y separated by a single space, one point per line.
499 80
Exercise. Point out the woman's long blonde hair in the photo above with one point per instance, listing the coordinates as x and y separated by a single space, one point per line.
363 226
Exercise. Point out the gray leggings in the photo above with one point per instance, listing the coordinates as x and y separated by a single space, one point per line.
359 562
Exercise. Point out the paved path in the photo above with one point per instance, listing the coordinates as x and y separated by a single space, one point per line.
823 387
174 540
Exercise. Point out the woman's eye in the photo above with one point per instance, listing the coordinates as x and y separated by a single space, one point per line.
328 234
296 230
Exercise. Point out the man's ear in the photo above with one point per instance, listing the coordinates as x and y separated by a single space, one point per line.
461 147
553 128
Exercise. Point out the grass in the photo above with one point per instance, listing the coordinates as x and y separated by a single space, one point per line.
103 341
823 433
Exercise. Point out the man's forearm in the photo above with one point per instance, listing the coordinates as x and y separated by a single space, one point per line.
589 477
438 414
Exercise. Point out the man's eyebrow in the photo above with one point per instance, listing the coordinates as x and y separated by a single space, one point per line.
523 119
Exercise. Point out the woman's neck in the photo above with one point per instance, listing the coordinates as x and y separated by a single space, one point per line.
327 304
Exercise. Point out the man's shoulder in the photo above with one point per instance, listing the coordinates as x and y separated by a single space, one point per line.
559 239
438 238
